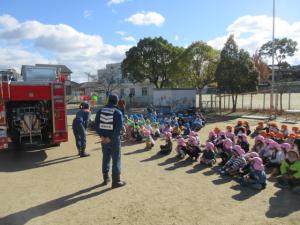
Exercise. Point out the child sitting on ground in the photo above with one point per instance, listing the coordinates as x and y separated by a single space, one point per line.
259 144
193 149
167 148
176 131
148 139
256 178
279 138
181 148
266 152
186 130
284 130
291 139
290 171
209 156
239 128
273 128
197 124
243 142
259 128
235 163
247 127
295 130
274 161
220 139
285 147
229 134
248 156
156 131
226 151
212 137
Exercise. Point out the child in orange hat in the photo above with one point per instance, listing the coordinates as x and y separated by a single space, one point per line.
247 127
295 130
273 128
279 138
238 127
284 130
229 134
291 139
259 128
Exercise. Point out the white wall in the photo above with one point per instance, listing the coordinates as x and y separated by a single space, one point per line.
175 98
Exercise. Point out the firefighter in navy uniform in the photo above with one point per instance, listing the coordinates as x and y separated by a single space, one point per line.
79 127
109 123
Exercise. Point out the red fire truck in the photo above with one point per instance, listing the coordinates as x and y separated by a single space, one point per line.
32 107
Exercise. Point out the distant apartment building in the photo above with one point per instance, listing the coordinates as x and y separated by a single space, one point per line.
142 92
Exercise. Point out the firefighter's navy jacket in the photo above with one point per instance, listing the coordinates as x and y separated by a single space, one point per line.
109 122
82 118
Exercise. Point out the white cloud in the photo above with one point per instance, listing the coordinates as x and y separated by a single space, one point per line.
115 2
251 32
126 37
14 57
79 51
146 18
129 38
176 37
122 33
87 14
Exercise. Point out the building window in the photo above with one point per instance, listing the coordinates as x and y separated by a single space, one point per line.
144 91
132 91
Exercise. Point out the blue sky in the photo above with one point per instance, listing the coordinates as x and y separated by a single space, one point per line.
86 35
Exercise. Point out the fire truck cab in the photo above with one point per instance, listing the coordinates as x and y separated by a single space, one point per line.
32 107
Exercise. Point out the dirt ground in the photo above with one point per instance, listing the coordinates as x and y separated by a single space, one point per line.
53 186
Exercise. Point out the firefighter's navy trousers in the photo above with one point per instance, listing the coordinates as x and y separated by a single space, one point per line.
80 134
112 151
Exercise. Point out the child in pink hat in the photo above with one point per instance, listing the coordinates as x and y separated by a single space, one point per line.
256 178
236 162
220 139
274 161
193 149
243 142
212 136
181 147
148 138
259 144
226 151
167 148
209 156
248 156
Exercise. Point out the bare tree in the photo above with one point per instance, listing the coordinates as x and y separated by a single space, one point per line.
108 82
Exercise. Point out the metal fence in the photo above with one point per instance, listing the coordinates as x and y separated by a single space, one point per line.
249 101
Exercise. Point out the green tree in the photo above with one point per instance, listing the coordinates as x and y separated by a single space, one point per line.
152 59
283 48
196 66
236 72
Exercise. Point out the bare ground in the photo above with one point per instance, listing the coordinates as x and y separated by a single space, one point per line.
54 186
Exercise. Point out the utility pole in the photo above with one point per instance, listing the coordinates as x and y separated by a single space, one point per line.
273 79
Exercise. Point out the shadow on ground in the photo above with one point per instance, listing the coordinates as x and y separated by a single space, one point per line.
180 164
154 157
197 168
169 161
244 192
137 151
22 217
12 160
283 203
